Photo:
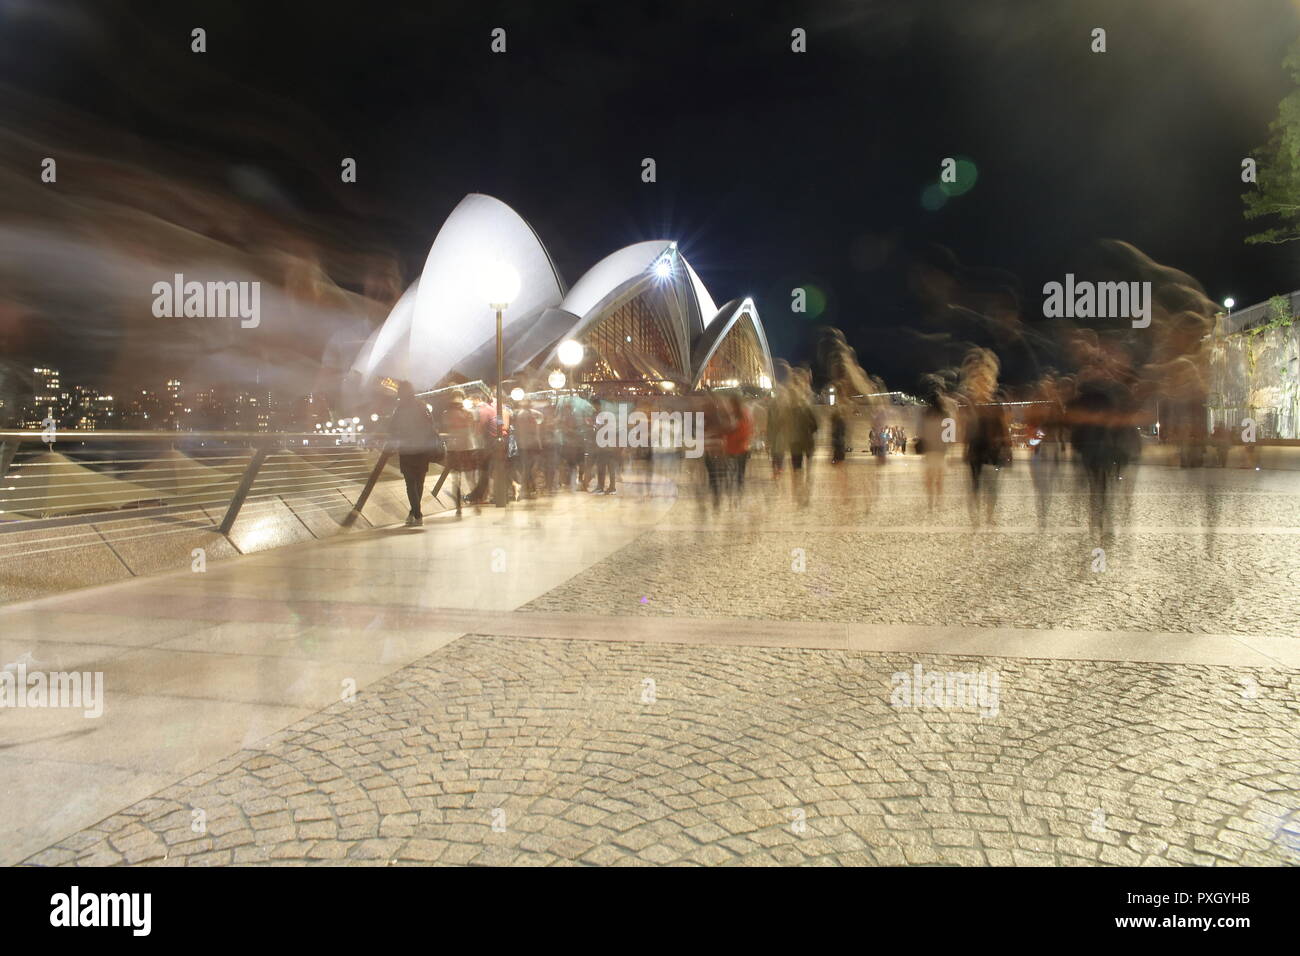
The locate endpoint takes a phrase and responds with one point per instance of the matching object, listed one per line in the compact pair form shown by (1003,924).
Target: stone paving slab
(1033,643)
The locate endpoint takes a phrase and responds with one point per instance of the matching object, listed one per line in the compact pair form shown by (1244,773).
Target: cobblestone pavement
(502,750)
(898,564)
(498,750)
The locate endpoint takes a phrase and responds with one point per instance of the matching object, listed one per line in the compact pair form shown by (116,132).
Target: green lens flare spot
(933,197)
(816,303)
(966,174)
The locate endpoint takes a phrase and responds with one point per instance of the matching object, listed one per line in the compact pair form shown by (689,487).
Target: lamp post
(501,285)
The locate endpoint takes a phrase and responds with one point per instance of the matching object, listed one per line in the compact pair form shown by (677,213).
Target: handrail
(263,474)
(61,436)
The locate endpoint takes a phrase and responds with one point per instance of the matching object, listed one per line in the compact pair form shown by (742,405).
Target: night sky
(775,169)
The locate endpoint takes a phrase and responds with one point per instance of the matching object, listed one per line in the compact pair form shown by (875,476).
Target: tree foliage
(1275,197)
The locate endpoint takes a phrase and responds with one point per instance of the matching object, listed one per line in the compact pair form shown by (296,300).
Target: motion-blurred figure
(528,449)
(1042,434)
(413,431)
(717,424)
(736,444)
(1101,415)
(461,431)
(778,434)
(938,417)
(801,434)
(987,444)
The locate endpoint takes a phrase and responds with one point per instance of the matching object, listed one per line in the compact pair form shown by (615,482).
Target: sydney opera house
(645,320)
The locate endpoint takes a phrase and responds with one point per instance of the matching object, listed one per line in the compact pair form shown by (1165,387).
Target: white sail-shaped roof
(607,277)
(707,309)
(733,312)
(445,316)
(443,323)
(629,271)
(386,351)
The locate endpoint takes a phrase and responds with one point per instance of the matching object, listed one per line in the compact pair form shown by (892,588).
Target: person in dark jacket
(412,431)
(801,425)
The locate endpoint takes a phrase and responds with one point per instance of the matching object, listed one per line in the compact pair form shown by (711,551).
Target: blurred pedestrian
(412,431)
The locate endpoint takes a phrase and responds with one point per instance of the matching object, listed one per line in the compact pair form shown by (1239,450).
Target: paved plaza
(642,680)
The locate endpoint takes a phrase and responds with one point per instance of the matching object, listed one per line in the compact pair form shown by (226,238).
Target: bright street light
(498,283)
(556,379)
(1228,303)
(570,352)
(516,394)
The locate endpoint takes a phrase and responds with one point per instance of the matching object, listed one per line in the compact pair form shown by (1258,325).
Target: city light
(556,379)
(570,352)
(498,283)
(516,394)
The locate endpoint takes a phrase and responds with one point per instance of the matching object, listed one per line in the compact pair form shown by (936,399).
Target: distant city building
(49,399)
(92,409)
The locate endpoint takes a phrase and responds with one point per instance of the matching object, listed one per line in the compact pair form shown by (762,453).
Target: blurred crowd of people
(1090,422)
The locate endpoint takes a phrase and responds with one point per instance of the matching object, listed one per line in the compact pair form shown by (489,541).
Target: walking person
(937,418)
(528,443)
(413,432)
(607,458)
(736,444)
(802,429)
(463,445)
(987,442)
(777,433)
(717,423)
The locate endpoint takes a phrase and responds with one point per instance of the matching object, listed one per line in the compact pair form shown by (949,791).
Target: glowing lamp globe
(498,283)
(516,394)
(556,379)
(570,352)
